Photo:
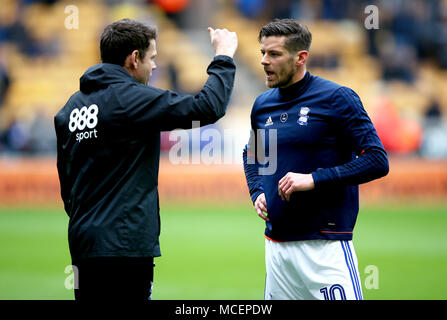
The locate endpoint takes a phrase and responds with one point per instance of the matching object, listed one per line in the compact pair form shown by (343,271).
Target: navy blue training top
(319,127)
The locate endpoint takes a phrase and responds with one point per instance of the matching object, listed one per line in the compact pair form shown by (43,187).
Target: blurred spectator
(42,137)
(36,137)
(335,9)
(434,144)
(281,9)
(5,81)
(16,33)
(251,8)
(327,60)
(16,136)
(398,135)
(399,62)
(416,29)
(305,10)
(173,77)
(174,9)
(171,6)
(442,35)
(47,2)
(433,111)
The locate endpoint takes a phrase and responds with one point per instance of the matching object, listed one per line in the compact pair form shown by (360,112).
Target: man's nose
(264,60)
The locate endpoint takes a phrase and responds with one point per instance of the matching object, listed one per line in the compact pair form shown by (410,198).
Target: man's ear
(301,57)
(132,60)
(136,55)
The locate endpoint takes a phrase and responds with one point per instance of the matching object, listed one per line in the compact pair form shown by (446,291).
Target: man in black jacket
(108,148)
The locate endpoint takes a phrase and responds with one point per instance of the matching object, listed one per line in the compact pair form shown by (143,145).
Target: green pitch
(214,252)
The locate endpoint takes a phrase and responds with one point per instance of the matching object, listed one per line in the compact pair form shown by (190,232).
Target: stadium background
(212,241)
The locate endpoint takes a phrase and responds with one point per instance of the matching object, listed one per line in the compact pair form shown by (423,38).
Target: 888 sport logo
(86,118)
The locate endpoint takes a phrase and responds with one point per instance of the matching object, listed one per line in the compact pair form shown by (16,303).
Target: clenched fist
(224,41)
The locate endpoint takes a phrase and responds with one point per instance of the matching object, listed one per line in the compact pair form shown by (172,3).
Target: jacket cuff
(323,177)
(223,57)
(255,194)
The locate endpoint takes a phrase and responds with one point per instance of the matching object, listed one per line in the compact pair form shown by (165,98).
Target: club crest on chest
(303,116)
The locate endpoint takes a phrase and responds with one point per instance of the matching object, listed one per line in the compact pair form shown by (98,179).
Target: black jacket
(108,149)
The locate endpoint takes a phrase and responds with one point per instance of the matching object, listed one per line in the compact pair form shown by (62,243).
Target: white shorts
(311,269)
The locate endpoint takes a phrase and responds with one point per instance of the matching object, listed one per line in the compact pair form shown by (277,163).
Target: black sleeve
(61,168)
(164,110)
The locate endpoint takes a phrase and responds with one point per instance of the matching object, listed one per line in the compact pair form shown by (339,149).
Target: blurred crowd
(410,33)
(20,135)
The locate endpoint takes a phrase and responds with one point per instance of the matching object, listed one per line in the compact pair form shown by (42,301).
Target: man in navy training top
(321,145)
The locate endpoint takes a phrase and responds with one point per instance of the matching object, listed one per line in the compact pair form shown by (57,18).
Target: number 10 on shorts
(335,291)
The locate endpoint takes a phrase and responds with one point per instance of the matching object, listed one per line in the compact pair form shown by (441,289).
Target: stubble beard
(287,79)
(281,82)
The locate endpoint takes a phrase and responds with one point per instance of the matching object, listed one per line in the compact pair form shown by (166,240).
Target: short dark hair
(120,38)
(298,36)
